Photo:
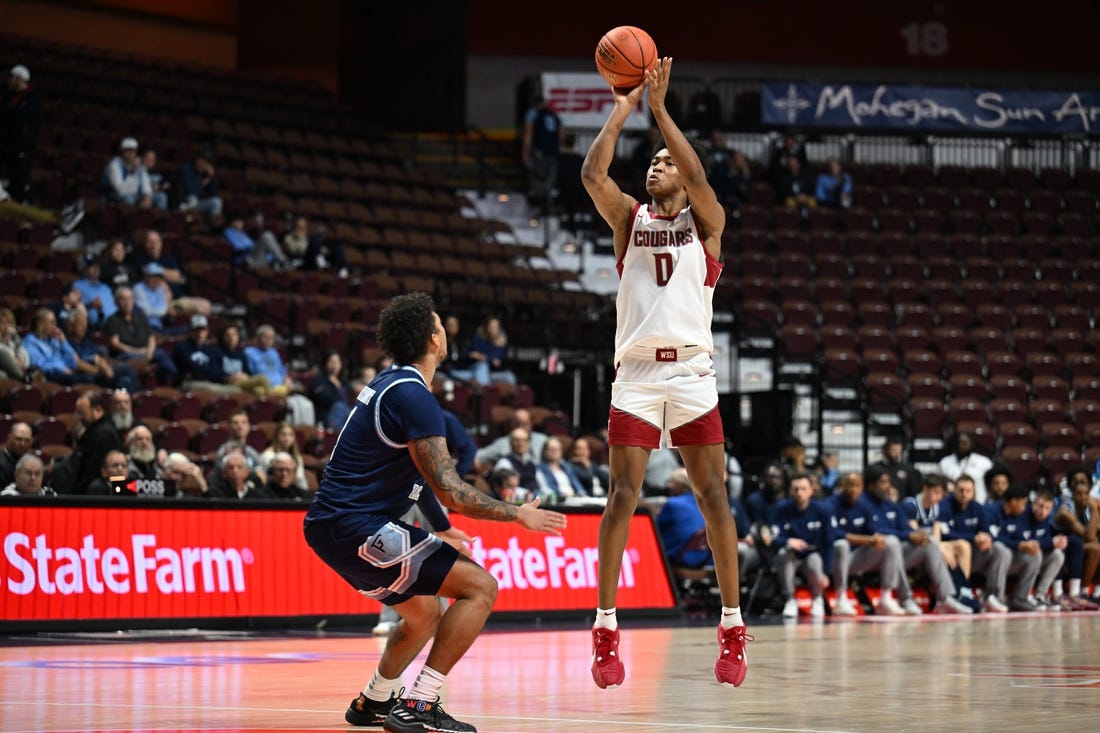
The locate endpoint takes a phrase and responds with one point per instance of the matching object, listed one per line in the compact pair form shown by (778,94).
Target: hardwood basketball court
(1026,672)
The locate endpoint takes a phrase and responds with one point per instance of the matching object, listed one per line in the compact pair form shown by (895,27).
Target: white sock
(606,619)
(1074,587)
(427,685)
(1056,590)
(379,688)
(731,617)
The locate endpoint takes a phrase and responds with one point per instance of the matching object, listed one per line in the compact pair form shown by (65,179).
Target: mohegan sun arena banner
(954,109)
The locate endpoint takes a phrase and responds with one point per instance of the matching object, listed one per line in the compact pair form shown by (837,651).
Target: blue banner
(978,110)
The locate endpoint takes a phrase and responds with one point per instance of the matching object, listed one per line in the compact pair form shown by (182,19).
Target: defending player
(392,444)
(668,260)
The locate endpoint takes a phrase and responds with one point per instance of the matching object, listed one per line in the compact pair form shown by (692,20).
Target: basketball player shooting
(667,255)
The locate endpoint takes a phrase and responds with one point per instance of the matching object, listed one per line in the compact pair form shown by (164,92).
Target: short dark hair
(1016,491)
(935,479)
(405,326)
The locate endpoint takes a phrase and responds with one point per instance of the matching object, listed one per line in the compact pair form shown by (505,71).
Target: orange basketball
(623,56)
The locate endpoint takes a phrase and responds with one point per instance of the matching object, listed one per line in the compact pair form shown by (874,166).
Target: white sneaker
(887,606)
(993,604)
(383,628)
(911,608)
(953,605)
(790,608)
(843,607)
(817,608)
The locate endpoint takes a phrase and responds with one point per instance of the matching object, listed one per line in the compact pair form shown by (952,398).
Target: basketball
(623,56)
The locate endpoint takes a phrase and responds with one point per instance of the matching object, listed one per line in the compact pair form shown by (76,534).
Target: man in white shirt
(965,460)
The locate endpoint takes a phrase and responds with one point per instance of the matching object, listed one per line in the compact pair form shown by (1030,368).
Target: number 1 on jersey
(663,265)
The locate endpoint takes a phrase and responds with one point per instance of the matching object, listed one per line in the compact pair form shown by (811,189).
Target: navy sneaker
(421,716)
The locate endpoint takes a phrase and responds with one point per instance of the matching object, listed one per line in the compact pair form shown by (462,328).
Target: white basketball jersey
(666,284)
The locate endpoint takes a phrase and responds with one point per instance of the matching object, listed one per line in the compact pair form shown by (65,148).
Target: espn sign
(584,100)
(178,560)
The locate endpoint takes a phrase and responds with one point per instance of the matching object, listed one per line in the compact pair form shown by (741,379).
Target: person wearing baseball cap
(125,179)
(96,295)
(22,112)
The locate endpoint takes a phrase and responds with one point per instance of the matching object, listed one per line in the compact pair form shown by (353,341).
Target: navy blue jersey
(848,518)
(1041,531)
(371,471)
(1010,531)
(887,518)
(963,524)
(813,525)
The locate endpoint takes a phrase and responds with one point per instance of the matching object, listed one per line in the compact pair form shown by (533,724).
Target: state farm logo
(553,565)
(142,566)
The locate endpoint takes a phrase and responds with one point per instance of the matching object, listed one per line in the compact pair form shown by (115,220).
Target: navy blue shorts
(382,558)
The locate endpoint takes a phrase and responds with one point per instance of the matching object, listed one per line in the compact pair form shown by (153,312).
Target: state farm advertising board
(132,562)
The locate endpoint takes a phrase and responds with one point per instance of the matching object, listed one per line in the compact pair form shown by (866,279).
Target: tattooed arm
(436,465)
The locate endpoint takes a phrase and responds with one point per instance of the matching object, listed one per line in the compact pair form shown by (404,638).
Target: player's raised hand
(540,520)
(657,80)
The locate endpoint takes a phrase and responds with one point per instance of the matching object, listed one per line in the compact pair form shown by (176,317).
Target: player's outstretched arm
(614,205)
(435,464)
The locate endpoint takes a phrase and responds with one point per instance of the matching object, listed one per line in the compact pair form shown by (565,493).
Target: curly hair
(405,326)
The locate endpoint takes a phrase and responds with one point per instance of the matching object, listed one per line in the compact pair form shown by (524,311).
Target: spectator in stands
(321,252)
(1053,547)
(968,520)
(519,460)
(504,486)
(234,363)
(121,411)
(285,442)
(828,472)
(265,359)
(199,185)
(115,465)
(267,252)
(98,439)
(542,138)
(20,441)
(51,354)
(232,479)
(457,363)
(789,147)
(997,480)
(20,115)
(488,353)
(145,460)
(834,186)
(296,242)
(28,478)
(521,418)
(153,296)
(124,180)
(1079,518)
(243,249)
(1010,525)
(962,459)
(96,294)
(187,475)
(152,250)
(571,193)
(802,535)
(555,475)
(662,462)
(199,361)
(159,185)
(730,177)
(14,359)
(114,270)
(92,357)
(761,504)
(679,522)
(239,426)
(795,189)
(594,477)
(70,300)
(281,483)
(330,393)
(904,476)
(131,339)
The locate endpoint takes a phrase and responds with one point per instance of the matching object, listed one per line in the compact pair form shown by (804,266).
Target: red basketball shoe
(733,661)
(607,669)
